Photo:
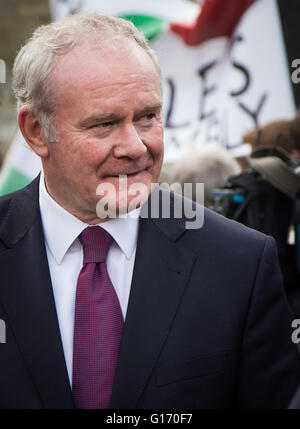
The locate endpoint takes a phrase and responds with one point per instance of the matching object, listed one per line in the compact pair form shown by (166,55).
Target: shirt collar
(61,228)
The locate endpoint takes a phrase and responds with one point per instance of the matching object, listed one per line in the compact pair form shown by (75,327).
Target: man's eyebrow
(98,118)
(107,117)
(155,107)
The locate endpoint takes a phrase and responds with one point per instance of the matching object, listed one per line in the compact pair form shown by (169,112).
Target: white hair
(36,59)
(211,164)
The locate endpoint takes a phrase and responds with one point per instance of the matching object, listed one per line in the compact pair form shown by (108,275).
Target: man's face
(108,119)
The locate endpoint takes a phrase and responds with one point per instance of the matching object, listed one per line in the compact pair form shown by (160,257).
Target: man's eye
(105,124)
(150,116)
(146,119)
(102,125)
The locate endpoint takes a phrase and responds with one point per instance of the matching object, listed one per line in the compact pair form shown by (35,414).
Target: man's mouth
(133,174)
(127,173)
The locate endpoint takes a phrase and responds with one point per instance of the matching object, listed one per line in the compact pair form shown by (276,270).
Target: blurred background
(18,18)
(231,93)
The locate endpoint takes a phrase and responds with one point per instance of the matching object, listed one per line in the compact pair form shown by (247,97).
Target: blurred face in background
(108,122)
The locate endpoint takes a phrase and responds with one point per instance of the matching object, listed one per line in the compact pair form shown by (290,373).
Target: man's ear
(32,132)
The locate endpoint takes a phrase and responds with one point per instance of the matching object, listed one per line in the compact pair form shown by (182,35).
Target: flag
(20,167)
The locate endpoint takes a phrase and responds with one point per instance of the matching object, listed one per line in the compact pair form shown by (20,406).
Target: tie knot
(96,243)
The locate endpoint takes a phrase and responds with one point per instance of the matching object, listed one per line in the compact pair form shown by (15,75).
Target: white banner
(220,89)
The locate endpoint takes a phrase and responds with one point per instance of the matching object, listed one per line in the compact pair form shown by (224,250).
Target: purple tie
(98,324)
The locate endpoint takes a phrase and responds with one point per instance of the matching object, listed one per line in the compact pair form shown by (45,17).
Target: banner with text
(224,68)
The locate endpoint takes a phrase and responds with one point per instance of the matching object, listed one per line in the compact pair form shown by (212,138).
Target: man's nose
(130,143)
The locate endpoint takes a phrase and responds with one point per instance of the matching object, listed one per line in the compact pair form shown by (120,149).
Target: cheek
(95,149)
(82,153)
(156,143)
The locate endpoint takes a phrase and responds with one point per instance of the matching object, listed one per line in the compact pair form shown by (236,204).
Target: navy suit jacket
(207,324)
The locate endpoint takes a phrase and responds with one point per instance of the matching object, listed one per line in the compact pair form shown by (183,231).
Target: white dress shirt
(65,258)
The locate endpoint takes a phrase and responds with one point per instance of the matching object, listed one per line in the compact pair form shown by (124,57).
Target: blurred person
(210,164)
(166,174)
(284,133)
(281,140)
(124,312)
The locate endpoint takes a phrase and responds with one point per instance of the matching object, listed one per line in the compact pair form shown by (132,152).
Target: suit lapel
(162,269)
(161,272)
(27,298)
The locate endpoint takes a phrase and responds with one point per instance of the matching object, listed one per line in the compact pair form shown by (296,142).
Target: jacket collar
(21,210)
(161,273)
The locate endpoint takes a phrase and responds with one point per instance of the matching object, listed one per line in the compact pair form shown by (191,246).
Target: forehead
(111,70)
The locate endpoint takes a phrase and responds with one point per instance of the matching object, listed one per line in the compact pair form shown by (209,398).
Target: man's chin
(121,195)
(109,208)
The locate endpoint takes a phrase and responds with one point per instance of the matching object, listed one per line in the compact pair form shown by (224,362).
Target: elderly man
(126,311)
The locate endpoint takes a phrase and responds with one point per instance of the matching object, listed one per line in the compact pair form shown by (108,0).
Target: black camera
(266,197)
(226,201)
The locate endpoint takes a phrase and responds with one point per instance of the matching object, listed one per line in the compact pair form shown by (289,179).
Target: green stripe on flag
(149,25)
(13,181)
